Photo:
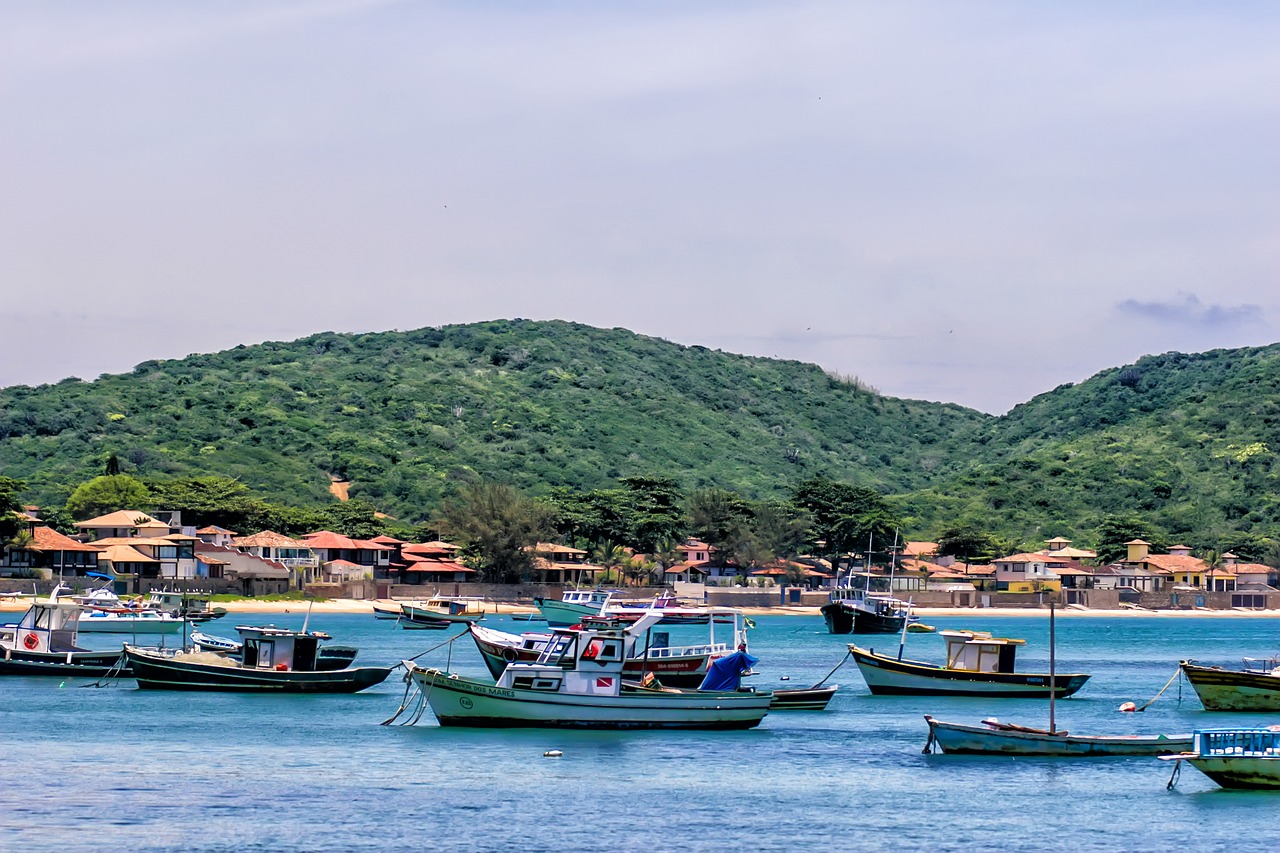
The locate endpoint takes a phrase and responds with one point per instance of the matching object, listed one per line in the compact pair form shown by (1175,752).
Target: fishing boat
(996,738)
(674,665)
(573,605)
(386,613)
(1250,689)
(44,642)
(125,620)
(1247,758)
(977,664)
(578,682)
(329,657)
(803,698)
(441,611)
(673,612)
(193,606)
(274,660)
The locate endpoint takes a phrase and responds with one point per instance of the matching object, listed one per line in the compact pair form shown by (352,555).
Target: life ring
(30,641)
(509,655)
(589,653)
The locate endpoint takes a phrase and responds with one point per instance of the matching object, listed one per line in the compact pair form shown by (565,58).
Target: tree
(1115,530)
(966,543)
(844,516)
(204,500)
(105,494)
(720,519)
(10,507)
(498,525)
(113,466)
(355,518)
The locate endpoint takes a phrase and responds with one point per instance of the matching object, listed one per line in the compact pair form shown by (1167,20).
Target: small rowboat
(996,738)
(803,698)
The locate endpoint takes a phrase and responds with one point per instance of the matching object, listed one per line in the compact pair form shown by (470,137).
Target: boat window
(265,649)
(601,649)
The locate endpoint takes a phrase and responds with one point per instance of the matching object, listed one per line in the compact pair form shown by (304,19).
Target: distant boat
(441,611)
(572,606)
(126,621)
(803,698)
(44,642)
(996,738)
(275,660)
(1246,758)
(388,613)
(977,664)
(577,682)
(1234,689)
(328,658)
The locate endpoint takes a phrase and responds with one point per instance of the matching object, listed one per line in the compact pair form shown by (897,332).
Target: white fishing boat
(128,621)
(578,682)
(1246,758)
(44,642)
(574,604)
(675,665)
(441,611)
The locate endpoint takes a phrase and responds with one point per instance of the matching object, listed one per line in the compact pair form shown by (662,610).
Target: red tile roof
(48,539)
(331,541)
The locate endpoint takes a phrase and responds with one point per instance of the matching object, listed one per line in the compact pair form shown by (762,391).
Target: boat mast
(1052,662)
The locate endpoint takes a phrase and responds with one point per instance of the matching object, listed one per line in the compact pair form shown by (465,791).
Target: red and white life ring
(30,641)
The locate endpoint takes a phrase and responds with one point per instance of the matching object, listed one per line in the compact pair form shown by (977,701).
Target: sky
(963,202)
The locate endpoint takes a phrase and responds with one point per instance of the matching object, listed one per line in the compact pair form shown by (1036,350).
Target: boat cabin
(280,649)
(586,661)
(456,605)
(978,651)
(590,597)
(47,626)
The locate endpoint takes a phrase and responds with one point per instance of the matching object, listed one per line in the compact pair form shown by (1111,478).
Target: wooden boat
(275,660)
(195,607)
(1246,758)
(855,608)
(996,738)
(574,604)
(387,613)
(328,657)
(44,642)
(803,698)
(442,611)
(1233,689)
(577,682)
(978,664)
(675,666)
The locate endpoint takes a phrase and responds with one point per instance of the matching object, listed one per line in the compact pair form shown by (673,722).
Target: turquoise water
(91,769)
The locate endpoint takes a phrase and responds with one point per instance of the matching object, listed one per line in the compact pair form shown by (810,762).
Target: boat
(977,664)
(674,666)
(994,738)
(578,682)
(803,698)
(125,620)
(44,642)
(526,617)
(573,605)
(387,613)
(329,657)
(1220,689)
(1247,758)
(441,611)
(192,606)
(858,608)
(275,660)
(673,612)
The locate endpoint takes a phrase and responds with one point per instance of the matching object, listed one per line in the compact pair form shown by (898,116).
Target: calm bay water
(88,769)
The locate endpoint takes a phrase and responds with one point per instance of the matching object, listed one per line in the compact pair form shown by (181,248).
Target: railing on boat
(1223,742)
(685,651)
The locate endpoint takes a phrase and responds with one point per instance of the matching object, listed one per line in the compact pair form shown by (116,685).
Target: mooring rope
(843,661)
(115,672)
(410,684)
(1177,673)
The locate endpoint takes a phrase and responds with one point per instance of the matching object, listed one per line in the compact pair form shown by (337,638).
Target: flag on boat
(604,682)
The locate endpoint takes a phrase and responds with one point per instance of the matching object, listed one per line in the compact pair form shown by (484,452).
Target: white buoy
(785,678)
(552,753)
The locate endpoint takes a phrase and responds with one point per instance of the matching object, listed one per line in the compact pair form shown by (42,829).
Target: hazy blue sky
(969,202)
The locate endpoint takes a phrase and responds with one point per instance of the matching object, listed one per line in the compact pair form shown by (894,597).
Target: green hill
(406,415)
(1187,442)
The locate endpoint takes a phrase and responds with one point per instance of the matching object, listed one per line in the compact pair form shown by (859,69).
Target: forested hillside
(407,416)
(1186,444)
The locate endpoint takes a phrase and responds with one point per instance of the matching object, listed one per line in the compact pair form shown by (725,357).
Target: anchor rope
(843,661)
(1167,684)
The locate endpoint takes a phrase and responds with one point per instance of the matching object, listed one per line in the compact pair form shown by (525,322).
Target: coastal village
(138,552)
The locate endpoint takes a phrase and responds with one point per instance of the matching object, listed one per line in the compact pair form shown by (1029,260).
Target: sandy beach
(347,605)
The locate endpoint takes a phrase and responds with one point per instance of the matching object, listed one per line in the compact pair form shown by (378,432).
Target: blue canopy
(726,673)
(99,575)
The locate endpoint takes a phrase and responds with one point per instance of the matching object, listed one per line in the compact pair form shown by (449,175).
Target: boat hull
(156,672)
(1246,772)
(891,677)
(561,614)
(803,699)
(1233,690)
(672,671)
(127,624)
(843,619)
(459,701)
(84,664)
(954,738)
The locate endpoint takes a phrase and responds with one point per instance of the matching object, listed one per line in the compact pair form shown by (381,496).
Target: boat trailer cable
(843,661)
(1167,684)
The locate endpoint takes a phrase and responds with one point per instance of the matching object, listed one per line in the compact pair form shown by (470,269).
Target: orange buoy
(1128,706)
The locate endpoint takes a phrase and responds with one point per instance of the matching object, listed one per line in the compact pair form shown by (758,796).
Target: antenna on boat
(1052,663)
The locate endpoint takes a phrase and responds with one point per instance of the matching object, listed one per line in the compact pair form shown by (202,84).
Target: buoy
(552,753)
(1128,706)
(785,678)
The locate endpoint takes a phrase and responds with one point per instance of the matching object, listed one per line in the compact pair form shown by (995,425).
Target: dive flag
(604,682)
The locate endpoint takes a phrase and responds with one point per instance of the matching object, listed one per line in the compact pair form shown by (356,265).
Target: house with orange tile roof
(48,554)
(215,535)
(123,523)
(171,556)
(331,547)
(554,563)
(1026,573)
(1249,575)
(294,554)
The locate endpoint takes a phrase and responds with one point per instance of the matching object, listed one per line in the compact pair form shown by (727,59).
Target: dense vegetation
(1183,445)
